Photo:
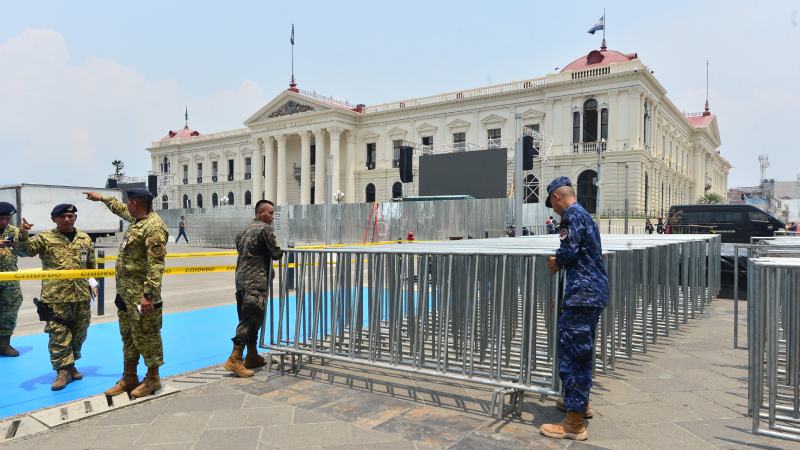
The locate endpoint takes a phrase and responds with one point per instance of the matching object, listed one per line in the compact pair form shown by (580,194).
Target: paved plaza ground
(689,391)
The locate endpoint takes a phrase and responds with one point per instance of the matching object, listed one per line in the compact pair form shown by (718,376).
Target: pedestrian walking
(65,303)
(140,268)
(182,230)
(585,296)
(257,249)
(10,294)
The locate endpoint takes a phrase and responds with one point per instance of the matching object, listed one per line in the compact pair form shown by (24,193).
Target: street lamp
(600,149)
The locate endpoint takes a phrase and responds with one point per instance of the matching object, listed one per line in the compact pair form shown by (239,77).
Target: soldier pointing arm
(140,267)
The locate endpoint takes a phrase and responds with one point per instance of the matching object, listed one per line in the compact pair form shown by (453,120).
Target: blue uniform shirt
(581,255)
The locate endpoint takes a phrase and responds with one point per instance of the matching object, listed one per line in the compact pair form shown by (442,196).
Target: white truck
(34,202)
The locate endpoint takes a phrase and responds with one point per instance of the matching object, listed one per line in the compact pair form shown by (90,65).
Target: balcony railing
(185,181)
(586,147)
(230,177)
(214,178)
(247,176)
(370,165)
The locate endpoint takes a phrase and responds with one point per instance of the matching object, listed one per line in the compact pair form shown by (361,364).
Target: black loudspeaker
(406,163)
(152,184)
(529,151)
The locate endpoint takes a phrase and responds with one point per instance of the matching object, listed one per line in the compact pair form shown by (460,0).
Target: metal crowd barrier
(774,346)
(484,310)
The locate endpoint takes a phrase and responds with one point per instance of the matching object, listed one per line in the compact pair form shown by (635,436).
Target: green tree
(709,198)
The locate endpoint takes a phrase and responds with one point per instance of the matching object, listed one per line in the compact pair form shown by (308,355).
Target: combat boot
(235,365)
(5,347)
(150,384)
(572,427)
(128,382)
(587,415)
(254,360)
(63,378)
(73,372)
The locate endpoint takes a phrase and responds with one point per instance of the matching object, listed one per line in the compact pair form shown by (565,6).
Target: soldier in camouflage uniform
(140,267)
(67,300)
(10,295)
(585,296)
(257,249)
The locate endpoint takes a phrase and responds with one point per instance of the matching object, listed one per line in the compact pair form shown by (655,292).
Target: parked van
(736,223)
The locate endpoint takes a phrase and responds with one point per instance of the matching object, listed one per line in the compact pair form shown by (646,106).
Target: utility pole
(626,198)
(600,149)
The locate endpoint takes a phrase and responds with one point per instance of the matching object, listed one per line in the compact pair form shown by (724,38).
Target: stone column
(305,167)
(319,170)
(281,184)
(269,168)
(351,167)
(258,180)
(336,151)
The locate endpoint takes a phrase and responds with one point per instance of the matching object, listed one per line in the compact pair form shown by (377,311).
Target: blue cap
(62,209)
(7,209)
(555,184)
(140,193)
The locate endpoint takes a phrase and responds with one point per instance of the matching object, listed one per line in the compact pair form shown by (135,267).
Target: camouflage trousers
(576,336)
(141,335)
(250,309)
(10,301)
(67,332)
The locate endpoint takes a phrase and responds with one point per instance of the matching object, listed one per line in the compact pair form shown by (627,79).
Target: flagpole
(603,45)
(292,84)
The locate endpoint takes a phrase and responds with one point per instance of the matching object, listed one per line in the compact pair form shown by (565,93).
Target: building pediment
(229,153)
(397,132)
(288,103)
(427,129)
(532,114)
(369,136)
(493,119)
(458,123)
(213,156)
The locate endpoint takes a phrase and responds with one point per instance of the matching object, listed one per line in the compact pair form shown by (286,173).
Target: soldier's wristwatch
(148,296)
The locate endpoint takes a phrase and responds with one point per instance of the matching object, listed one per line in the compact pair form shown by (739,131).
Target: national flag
(291,39)
(600,25)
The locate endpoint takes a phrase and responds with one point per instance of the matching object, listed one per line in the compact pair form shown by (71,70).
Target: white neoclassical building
(604,100)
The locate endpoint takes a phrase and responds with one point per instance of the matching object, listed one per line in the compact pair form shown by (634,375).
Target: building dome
(181,134)
(599,58)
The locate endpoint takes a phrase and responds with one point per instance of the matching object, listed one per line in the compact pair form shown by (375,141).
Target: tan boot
(587,415)
(63,378)
(572,427)
(128,382)
(235,365)
(5,347)
(73,372)
(150,384)
(254,360)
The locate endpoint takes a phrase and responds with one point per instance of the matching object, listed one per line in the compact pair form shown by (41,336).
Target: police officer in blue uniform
(585,296)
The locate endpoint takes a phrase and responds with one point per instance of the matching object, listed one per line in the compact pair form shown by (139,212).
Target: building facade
(605,110)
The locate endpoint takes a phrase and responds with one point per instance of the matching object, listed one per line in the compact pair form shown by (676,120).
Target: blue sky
(83,83)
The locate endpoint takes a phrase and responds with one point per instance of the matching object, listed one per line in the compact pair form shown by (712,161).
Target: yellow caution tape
(56,274)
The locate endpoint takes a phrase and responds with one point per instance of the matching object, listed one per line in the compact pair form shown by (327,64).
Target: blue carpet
(192,340)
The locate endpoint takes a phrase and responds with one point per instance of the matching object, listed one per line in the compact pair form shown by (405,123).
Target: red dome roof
(184,133)
(599,58)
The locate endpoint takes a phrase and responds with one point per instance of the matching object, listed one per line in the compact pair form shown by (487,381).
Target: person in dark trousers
(257,247)
(551,226)
(648,226)
(182,230)
(585,295)
(660,226)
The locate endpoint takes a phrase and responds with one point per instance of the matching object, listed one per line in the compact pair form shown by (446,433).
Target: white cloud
(63,123)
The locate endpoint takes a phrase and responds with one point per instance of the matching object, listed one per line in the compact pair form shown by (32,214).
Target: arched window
(230,198)
(185,201)
(248,198)
(587,190)
(397,190)
(199,200)
(370,191)
(531,189)
(646,194)
(214,200)
(164,202)
(165,165)
(590,120)
(647,130)
(576,127)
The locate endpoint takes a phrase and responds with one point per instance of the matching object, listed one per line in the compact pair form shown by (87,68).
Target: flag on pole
(186,113)
(291,39)
(600,25)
